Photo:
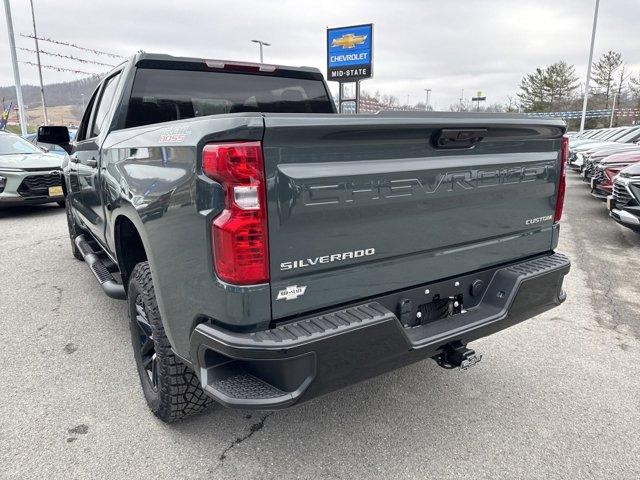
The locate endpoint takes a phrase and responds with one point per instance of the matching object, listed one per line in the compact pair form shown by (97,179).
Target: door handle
(459,137)
(91,162)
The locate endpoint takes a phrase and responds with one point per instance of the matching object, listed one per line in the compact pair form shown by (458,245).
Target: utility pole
(586,87)
(16,73)
(35,37)
(262,44)
(426,106)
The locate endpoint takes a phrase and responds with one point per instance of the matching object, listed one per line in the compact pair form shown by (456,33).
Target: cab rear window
(166,95)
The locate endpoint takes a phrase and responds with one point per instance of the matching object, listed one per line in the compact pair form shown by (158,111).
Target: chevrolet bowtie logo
(348,40)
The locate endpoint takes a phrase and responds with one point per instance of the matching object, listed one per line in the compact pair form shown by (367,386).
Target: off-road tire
(74,231)
(177,393)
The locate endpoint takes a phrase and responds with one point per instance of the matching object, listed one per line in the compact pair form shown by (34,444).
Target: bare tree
(512,104)
(634,88)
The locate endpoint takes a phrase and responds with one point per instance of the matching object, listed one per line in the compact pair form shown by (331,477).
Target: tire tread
(179,388)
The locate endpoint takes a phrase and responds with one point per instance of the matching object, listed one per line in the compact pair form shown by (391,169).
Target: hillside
(56,94)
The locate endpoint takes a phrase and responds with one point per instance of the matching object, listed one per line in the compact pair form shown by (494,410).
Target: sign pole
(357,96)
(478,98)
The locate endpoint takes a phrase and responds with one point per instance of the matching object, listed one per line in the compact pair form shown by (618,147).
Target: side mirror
(55,135)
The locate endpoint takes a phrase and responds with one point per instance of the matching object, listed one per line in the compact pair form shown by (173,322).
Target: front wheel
(172,390)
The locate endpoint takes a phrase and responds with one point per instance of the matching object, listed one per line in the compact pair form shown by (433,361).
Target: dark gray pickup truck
(272,250)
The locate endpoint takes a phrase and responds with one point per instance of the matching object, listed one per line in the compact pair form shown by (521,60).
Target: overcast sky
(445,45)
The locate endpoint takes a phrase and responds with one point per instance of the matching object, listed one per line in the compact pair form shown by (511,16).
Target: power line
(71,57)
(63,69)
(67,44)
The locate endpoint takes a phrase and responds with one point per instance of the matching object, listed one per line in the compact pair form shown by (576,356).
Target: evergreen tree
(561,82)
(548,88)
(604,73)
(533,93)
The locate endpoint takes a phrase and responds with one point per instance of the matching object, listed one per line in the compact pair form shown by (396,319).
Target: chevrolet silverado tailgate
(367,204)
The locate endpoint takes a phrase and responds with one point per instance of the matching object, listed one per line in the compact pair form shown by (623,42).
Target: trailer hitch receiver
(457,355)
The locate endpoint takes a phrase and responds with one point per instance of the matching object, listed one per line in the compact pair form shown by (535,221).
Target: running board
(112,288)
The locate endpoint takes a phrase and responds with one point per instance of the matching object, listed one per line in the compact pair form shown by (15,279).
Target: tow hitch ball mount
(457,355)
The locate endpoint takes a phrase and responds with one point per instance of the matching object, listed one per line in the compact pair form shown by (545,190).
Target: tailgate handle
(459,137)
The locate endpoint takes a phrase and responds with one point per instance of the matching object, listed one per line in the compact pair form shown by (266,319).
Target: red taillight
(239,233)
(562,182)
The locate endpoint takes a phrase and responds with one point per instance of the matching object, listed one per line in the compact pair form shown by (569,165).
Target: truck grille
(599,176)
(38,185)
(589,167)
(621,194)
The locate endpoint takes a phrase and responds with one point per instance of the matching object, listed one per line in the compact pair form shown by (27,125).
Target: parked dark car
(624,204)
(607,169)
(578,146)
(626,143)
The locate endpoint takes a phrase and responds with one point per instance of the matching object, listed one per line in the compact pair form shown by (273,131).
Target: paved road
(555,397)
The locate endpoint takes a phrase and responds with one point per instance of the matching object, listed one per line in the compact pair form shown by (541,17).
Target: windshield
(619,134)
(598,134)
(166,95)
(608,134)
(631,136)
(11,144)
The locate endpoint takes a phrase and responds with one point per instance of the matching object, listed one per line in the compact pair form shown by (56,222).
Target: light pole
(262,44)
(613,109)
(16,72)
(426,106)
(586,87)
(35,37)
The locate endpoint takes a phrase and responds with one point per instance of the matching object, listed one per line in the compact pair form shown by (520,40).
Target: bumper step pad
(297,361)
(317,327)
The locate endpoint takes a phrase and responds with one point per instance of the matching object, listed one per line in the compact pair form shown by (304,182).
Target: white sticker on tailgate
(291,293)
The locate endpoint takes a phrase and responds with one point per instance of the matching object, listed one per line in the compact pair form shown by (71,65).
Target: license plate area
(55,191)
(611,203)
(440,300)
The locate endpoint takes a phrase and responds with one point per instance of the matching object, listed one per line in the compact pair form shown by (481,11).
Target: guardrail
(622,112)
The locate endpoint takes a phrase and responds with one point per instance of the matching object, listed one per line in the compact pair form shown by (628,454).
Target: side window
(100,118)
(83,129)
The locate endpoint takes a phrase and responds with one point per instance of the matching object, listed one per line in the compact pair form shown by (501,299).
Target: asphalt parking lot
(554,397)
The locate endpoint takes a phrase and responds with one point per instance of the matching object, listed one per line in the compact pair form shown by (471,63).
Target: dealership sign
(350,53)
